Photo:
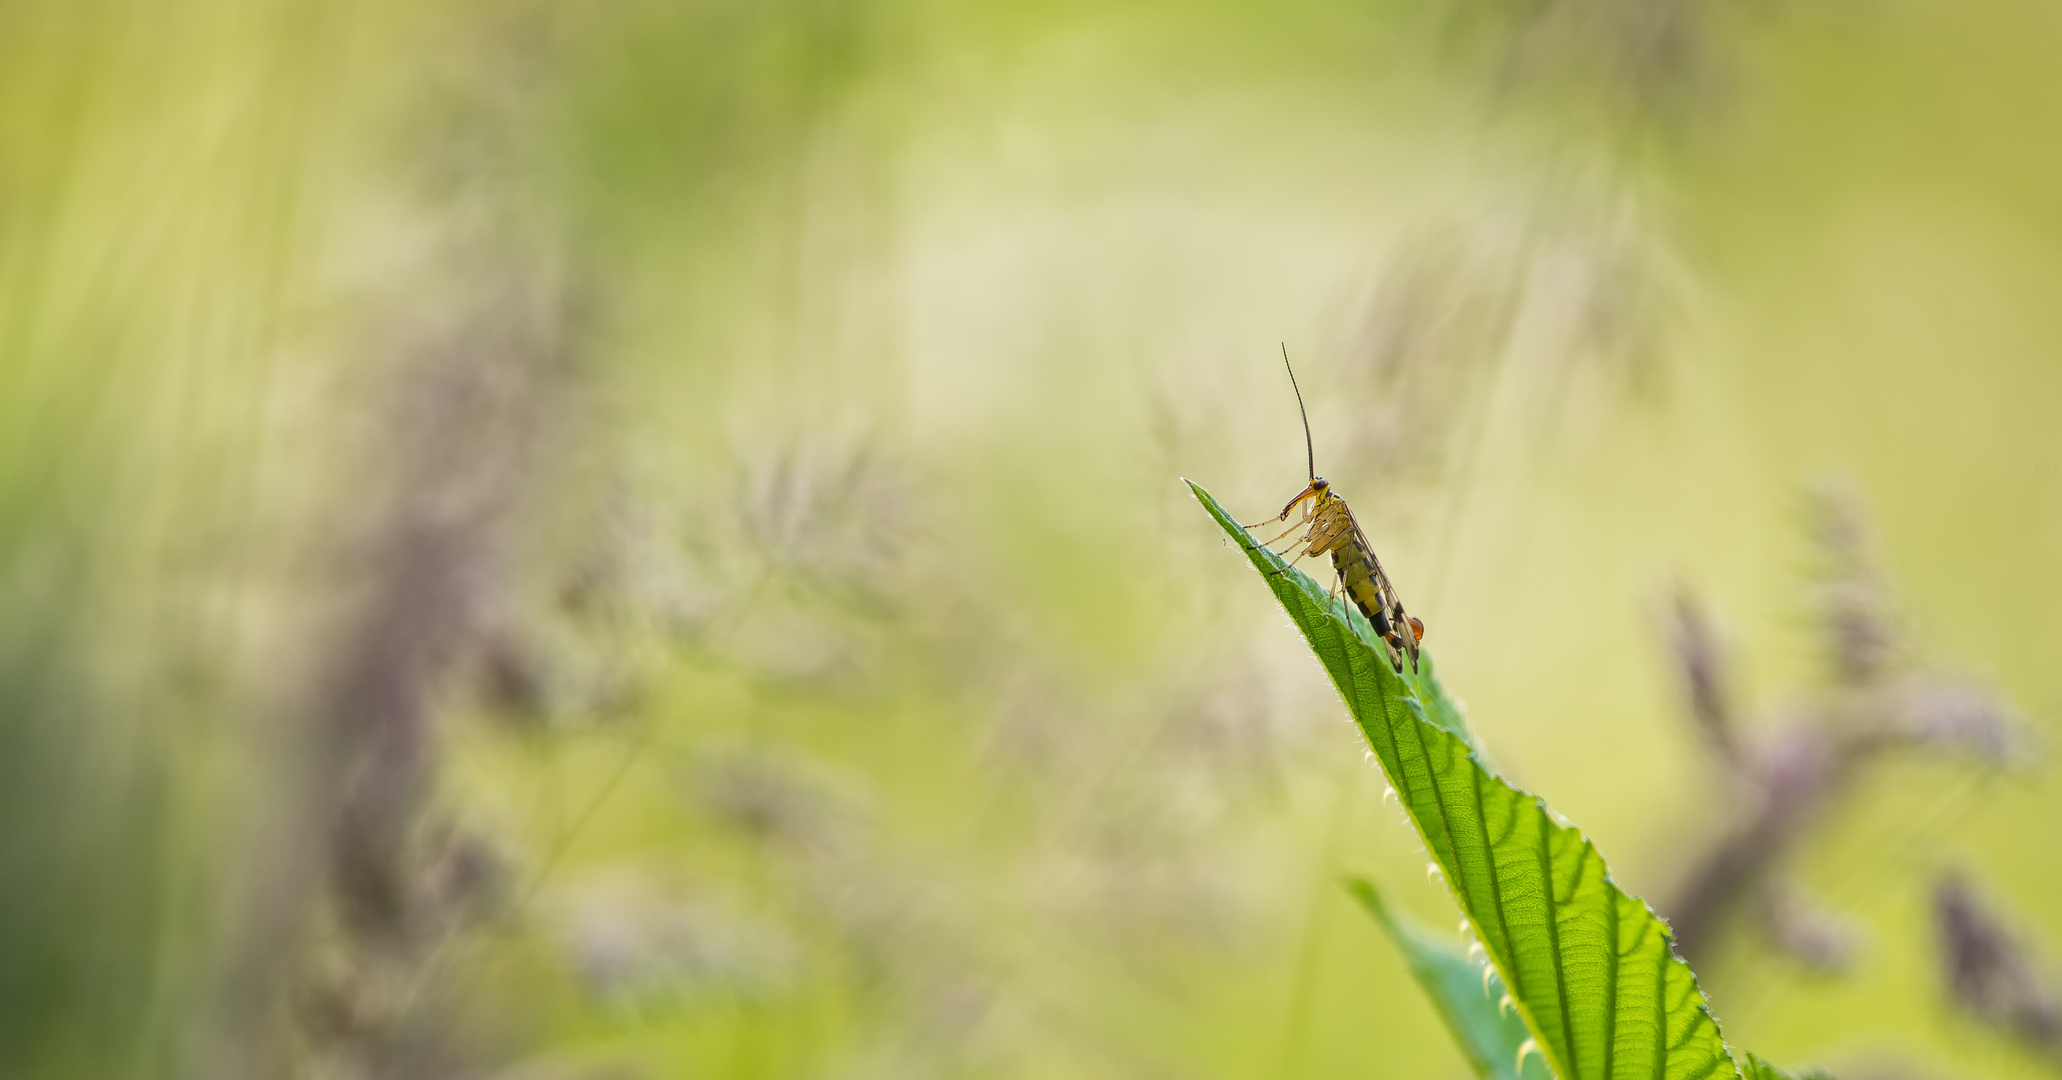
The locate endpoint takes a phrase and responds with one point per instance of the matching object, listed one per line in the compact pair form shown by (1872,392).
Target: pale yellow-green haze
(642,538)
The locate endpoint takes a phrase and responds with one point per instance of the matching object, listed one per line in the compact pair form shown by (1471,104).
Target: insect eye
(1319,484)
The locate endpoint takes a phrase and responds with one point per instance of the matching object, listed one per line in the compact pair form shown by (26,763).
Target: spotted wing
(1403,627)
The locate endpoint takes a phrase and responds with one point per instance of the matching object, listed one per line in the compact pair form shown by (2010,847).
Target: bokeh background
(642,538)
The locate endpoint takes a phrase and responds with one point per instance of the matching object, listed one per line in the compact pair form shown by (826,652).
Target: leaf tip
(1363,890)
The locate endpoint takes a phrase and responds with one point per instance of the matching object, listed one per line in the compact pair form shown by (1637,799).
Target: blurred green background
(642,539)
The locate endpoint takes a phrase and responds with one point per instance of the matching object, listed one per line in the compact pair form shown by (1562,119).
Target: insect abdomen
(1356,569)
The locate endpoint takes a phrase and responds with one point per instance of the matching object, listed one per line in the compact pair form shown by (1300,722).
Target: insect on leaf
(1468,999)
(1589,968)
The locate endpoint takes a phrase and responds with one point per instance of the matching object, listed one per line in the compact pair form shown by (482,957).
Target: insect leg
(1270,544)
(1278,539)
(1332,598)
(1304,554)
(1292,562)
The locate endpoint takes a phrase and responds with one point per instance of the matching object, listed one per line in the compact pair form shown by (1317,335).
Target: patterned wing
(1404,630)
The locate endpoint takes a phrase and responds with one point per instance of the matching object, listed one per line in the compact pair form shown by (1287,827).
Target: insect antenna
(1308,449)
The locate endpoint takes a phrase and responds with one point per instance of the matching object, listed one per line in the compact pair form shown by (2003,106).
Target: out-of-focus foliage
(1782,781)
(1991,974)
(1467,992)
(639,538)
(1753,1068)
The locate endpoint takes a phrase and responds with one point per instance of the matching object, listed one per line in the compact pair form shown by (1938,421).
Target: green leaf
(1592,970)
(1468,995)
(1757,1069)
